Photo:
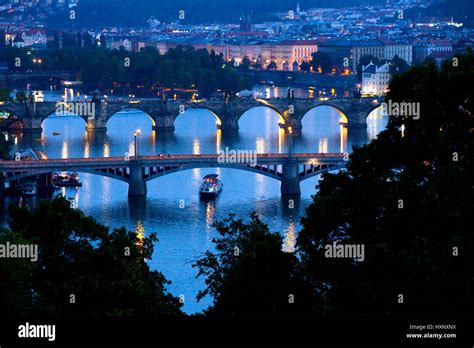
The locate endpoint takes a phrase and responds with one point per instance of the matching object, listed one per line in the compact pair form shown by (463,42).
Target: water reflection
(137,208)
(290,206)
(376,121)
(289,241)
(196,147)
(210,213)
(185,232)
(64,150)
(343,131)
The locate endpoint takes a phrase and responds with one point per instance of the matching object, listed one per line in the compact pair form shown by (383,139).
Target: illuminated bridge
(163,113)
(289,169)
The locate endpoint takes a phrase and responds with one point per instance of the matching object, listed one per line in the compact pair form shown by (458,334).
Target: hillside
(135,13)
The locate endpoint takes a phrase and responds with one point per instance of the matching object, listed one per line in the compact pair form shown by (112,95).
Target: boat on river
(29,189)
(211,186)
(66,179)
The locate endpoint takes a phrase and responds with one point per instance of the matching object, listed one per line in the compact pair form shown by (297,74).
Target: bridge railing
(11,164)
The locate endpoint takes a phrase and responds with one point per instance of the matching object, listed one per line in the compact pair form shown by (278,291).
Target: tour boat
(66,180)
(211,186)
(56,133)
(29,189)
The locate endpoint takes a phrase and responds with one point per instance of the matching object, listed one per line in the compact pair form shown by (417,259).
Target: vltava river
(185,231)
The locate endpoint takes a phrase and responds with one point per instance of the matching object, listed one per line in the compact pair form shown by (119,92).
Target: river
(172,207)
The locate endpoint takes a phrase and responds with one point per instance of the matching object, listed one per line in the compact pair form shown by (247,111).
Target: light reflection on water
(185,230)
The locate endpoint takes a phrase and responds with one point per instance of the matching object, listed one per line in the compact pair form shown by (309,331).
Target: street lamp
(37,61)
(136,138)
(290,133)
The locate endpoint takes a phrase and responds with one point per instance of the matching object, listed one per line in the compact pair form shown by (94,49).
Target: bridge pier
(357,115)
(290,183)
(32,124)
(33,131)
(93,126)
(137,182)
(97,121)
(164,123)
(356,120)
(294,123)
(229,123)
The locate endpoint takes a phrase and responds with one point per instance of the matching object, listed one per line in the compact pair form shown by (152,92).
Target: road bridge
(289,169)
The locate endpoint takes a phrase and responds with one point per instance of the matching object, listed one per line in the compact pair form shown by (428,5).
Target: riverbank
(300,79)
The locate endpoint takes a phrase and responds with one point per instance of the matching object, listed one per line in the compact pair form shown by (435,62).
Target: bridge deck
(270,158)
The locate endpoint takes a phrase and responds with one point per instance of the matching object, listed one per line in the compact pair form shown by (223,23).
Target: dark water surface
(186,232)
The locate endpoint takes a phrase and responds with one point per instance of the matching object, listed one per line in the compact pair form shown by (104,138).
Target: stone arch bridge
(59,75)
(164,113)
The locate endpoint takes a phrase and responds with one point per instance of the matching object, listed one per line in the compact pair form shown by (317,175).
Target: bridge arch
(54,114)
(28,174)
(134,109)
(262,170)
(342,112)
(281,115)
(373,108)
(195,106)
(20,80)
(324,168)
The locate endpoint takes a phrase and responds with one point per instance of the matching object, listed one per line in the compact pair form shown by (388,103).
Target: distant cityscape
(288,44)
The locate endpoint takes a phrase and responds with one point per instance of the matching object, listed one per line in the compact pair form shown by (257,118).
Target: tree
(20,96)
(272,65)
(103,41)
(321,60)
(5,146)
(16,279)
(246,63)
(398,65)
(82,269)
(407,198)
(208,84)
(123,71)
(249,274)
(257,63)
(3,44)
(5,94)
(305,66)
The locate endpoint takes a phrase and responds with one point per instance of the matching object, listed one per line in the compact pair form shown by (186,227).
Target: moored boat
(29,189)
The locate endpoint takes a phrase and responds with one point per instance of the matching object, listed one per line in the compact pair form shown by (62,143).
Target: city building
(441,56)
(34,37)
(18,42)
(245,24)
(375,80)
(401,49)
(26,38)
(338,50)
(125,43)
(423,49)
(359,49)
(284,54)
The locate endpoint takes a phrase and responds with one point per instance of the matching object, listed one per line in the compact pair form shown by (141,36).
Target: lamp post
(136,138)
(37,61)
(290,133)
